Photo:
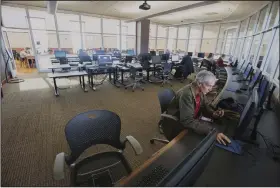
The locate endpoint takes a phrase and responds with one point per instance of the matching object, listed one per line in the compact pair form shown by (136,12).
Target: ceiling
(219,10)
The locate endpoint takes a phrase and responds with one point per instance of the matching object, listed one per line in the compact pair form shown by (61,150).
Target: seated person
(220,61)
(24,53)
(185,69)
(189,104)
(210,58)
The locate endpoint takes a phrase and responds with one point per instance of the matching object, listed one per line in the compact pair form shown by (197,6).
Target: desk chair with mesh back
(169,125)
(206,63)
(166,73)
(137,76)
(104,168)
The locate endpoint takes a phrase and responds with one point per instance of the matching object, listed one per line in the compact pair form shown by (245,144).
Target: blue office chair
(137,76)
(166,73)
(102,169)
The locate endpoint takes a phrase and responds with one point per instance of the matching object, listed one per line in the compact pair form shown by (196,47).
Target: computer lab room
(140,93)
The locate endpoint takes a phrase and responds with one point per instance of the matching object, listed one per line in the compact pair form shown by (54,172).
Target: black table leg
(53,71)
(154,69)
(55,87)
(122,76)
(84,87)
(80,80)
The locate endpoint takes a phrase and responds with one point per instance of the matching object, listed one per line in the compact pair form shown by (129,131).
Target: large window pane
(41,20)
(252,23)
(68,22)
(172,33)
(208,45)
(183,32)
(263,49)
(91,24)
(18,39)
(14,17)
(128,42)
(111,26)
(162,31)
(238,48)
(111,41)
(194,46)
(243,28)
(128,28)
(229,41)
(273,13)
(211,31)
(92,41)
(219,46)
(70,42)
(161,44)
(273,57)
(171,45)
(262,19)
(153,30)
(196,31)
(181,45)
(226,27)
(245,49)
(152,44)
(254,48)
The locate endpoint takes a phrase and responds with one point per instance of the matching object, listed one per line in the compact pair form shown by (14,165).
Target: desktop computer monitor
(175,58)
(156,59)
(128,59)
(190,53)
(130,52)
(247,71)
(153,53)
(201,55)
(255,78)
(100,52)
(247,115)
(145,57)
(263,90)
(104,60)
(192,166)
(165,57)
(160,52)
(59,54)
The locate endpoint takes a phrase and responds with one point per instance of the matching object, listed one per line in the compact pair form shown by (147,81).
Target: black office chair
(166,73)
(169,125)
(102,169)
(206,63)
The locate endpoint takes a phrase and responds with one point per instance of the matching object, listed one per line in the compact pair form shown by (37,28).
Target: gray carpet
(33,122)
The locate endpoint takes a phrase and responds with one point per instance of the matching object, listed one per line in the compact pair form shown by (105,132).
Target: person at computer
(24,53)
(189,104)
(220,61)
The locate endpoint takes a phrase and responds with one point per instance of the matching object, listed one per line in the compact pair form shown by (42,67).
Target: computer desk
(79,74)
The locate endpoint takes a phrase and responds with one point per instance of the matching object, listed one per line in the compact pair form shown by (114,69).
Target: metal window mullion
(201,36)
(120,33)
(267,16)
(81,33)
(256,25)
(56,31)
(156,37)
(236,36)
(167,37)
(101,27)
(258,49)
(217,40)
(187,42)
(177,38)
(32,38)
(269,48)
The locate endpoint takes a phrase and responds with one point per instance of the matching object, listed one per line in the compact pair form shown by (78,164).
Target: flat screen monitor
(201,55)
(59,54)
(190,53)
(153,53)
(190,168)
(160,52)
(105,60)
(255,78)
(175,58)
(263,90)
(131,52)
(247,114)
(100,52)
(165,57)
(156,59)
(145,57)
(128,59)
(247,71)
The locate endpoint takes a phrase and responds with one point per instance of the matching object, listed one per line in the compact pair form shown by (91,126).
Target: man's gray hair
(205,77)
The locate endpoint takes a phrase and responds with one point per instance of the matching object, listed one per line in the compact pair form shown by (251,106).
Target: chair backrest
(165,97)
(92,128)
(263,90)
(104,60)
(167,67)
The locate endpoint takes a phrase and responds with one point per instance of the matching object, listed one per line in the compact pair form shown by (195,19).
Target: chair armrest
(169,116)
(58,168)
(135,145)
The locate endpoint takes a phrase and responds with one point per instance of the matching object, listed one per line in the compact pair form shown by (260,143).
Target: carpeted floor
(33,122)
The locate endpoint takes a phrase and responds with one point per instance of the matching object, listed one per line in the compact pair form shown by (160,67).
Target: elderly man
(189,104)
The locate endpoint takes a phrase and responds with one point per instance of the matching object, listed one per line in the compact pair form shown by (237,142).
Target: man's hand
(222,139)
(218,113)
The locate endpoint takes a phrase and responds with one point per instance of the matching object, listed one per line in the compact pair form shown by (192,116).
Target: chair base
(166,81)
(152,141)
(135,85)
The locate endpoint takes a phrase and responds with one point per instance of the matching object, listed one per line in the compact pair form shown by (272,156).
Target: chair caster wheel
(132,90)
(125,88)
(152,141)
(142,89)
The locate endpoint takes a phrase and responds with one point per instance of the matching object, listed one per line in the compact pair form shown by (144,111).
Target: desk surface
(67,74)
